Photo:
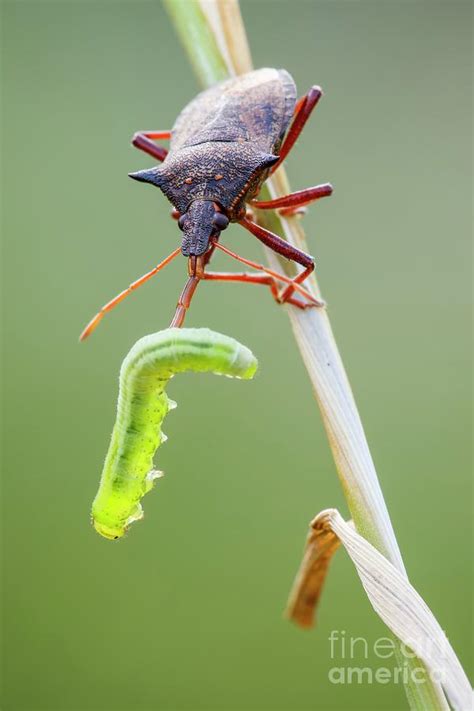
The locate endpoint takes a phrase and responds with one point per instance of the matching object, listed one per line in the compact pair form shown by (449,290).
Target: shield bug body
(224,145)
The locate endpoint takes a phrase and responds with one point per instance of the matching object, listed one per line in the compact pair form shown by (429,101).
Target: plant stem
(311,328)
(199,40)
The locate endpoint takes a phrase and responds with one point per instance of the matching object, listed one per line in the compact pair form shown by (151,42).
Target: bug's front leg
(196,267)
(184,301)
(293,284)
(287,250)
(257,278)
(279,245)
(144,141)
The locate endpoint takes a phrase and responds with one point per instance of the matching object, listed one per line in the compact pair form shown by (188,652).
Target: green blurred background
(186,612)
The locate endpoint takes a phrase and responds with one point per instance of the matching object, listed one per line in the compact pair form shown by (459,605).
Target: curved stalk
(229,54)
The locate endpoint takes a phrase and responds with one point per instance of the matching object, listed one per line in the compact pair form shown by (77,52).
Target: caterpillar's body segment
(142,405)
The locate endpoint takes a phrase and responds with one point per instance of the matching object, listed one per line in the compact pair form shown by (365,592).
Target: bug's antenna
(92,325)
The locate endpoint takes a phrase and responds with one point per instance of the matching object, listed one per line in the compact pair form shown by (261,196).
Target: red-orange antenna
(92,325)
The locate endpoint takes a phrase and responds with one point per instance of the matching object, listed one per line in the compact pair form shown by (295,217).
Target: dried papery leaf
(391,595)
(321,545)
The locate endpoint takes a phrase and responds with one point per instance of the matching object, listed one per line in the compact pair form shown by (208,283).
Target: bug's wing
(256,107)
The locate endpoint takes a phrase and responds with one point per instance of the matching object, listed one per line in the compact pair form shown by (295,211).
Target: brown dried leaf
(391,595)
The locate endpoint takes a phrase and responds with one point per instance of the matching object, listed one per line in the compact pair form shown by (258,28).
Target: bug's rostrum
(197,226)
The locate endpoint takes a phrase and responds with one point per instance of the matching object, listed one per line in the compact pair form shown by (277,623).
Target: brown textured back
(256,107)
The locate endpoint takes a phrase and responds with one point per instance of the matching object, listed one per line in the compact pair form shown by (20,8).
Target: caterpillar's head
(199,223)
(114,526)
(112,533)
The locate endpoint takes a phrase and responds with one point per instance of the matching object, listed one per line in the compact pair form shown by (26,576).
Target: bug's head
(202,221)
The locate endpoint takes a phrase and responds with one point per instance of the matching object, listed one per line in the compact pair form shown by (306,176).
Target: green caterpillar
(141,408)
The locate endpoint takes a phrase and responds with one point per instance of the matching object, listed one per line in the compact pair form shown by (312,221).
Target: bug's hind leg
(289,204)
(144,141)
(303,111)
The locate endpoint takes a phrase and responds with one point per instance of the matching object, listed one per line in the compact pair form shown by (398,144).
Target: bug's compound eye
(220,221)
(181,222)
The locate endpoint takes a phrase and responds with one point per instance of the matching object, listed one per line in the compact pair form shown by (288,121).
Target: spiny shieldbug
(224,145)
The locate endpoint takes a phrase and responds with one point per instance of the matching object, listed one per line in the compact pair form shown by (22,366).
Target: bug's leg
(92,325)
(282,247)
(292,202)
(292,211)
(278,244)
(264,279)
(293,283)
(196,266)
(302,113)
(184,301)
(144,141)
(302,276)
